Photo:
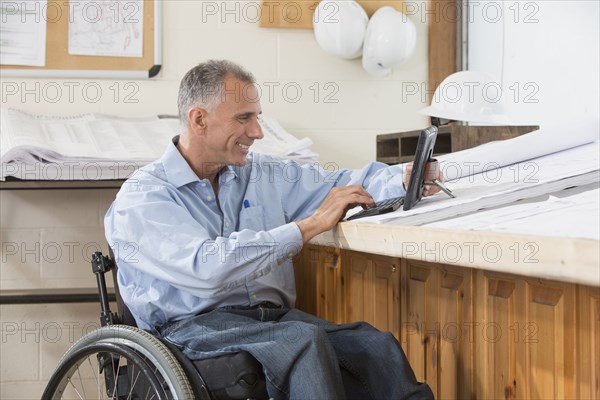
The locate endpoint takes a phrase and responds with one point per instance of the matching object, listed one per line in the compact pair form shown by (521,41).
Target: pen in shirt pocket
(246,204)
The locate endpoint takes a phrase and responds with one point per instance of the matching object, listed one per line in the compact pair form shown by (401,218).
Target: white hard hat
(340,27)
(468,96)
(390,40)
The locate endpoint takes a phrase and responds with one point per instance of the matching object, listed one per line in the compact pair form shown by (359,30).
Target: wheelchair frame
(133,362)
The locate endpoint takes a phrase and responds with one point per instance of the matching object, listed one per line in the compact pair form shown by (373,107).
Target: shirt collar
(179,172)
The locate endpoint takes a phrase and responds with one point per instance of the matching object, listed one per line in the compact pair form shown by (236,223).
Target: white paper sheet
(85,147)
(277,141)
(97,146)
(572,167)
(106,28)
(280,143)
(22,33)
(570,213)
(535,144)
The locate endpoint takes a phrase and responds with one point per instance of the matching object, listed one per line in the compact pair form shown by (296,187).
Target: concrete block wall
(47,238)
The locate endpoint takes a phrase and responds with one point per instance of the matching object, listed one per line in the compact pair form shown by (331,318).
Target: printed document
(103,147)
(22,33)
(106,28)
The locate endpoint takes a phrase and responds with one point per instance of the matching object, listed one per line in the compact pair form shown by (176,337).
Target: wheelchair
(120,361)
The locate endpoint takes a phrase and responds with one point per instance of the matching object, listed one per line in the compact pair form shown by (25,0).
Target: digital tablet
(424,153)
(415,186)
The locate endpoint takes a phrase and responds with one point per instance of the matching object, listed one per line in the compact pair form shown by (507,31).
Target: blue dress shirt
(180,252)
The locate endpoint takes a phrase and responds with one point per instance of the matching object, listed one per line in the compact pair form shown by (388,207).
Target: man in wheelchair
(214,227)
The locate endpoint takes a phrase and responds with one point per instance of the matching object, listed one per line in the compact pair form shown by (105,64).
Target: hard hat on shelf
(340,27)
(390,40)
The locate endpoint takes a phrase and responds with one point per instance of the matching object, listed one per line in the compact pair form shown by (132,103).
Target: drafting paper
(106,28)
(22,33)
(98,146)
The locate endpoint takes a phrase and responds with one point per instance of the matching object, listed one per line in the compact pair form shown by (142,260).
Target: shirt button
(209,198)
(203,184)
(226,224)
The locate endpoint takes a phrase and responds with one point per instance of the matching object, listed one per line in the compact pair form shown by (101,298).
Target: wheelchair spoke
(74,388)
(98,384)
(116,377)
(123,363)
(147,393)
(82,384)
(133,384)
(96,375)
(153,394)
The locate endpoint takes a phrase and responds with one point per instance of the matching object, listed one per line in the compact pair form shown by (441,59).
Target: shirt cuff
(394,187)
(289,240)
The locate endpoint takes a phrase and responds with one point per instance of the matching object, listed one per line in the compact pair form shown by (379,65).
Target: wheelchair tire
(140,359)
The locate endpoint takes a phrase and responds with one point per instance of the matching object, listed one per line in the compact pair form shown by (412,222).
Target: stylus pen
(443,188)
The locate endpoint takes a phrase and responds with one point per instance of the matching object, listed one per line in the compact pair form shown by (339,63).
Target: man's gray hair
(204,85)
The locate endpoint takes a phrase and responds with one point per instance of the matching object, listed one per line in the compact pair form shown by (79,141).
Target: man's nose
(255,130)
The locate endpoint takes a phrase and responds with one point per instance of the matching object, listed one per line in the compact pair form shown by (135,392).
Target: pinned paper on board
(22,34)
(113,28)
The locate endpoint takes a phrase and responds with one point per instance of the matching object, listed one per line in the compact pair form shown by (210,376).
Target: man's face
(232,126)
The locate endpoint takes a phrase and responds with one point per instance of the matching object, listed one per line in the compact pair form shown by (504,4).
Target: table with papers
(493,294)
(484,203)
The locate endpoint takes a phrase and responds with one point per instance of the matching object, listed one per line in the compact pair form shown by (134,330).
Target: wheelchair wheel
(118,362)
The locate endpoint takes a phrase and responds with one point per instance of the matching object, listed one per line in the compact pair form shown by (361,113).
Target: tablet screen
(423,154)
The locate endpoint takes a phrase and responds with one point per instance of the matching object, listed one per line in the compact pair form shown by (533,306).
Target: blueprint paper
(546,140)
(99,146)
(573,212)
(22,33)
(547,174)
(111,28)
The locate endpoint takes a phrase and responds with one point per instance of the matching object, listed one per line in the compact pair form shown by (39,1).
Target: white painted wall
(545,53)
(37,224)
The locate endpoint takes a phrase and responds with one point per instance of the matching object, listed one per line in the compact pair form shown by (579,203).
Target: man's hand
(432,171)
(333,209)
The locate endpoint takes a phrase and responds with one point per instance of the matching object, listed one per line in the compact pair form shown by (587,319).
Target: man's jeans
(303,356)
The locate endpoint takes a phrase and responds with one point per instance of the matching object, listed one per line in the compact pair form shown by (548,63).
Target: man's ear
(197,119)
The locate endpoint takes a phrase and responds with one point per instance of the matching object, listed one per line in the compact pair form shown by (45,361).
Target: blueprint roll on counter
(544,141)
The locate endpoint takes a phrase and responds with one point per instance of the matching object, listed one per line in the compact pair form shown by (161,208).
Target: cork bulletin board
(59,63)
(299,13)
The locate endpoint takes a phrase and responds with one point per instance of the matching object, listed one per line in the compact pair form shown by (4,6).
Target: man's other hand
(432,171)
(333,209)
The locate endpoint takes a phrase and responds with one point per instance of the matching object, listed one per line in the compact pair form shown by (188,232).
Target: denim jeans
(303,357)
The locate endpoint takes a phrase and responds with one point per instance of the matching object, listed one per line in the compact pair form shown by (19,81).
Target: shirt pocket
(253,218)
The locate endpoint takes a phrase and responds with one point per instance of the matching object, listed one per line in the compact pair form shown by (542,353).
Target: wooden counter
(479,314)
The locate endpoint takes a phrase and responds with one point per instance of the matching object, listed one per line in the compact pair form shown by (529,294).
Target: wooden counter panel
(468,333)
(588,343)
(437,331)
(372,287)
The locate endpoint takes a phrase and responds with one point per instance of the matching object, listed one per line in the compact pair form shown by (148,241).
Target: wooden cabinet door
(319,283)
(306,266)
(372,290)
(525,338)
(588,342)
(330,286)
(499,320)
(437,326)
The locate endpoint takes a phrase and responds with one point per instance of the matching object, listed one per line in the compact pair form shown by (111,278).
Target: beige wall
(340,108)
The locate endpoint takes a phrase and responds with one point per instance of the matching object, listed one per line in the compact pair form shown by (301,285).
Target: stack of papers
(493,155)
(103,147)
(280,143)
(573,212)
(490,175)
(84,147)
(276,142)
(574,167)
